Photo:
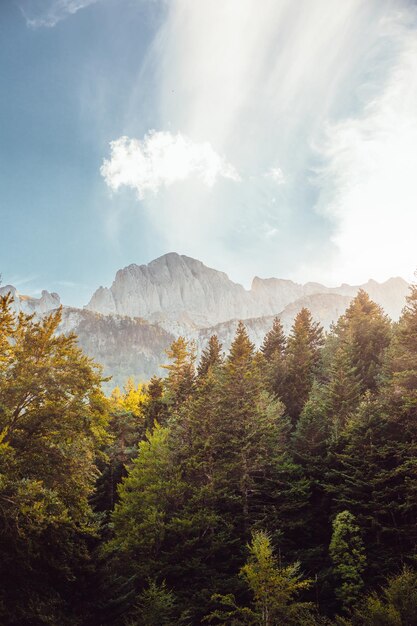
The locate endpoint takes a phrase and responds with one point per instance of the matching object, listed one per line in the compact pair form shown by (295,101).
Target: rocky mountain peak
(28,304)
(176,287)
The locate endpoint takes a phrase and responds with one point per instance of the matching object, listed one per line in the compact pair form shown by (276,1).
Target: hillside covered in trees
(267,487)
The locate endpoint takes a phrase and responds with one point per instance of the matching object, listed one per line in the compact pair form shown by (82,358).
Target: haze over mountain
(128,326)
(177,288)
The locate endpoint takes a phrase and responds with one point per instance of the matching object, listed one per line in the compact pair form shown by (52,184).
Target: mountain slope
(128,326)
(124,346)
(178,289)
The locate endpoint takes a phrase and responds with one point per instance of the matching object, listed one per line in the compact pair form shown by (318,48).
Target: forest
(267,487)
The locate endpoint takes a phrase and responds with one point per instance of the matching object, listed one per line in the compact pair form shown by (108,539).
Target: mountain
(173,287)
(128,326)
(124,346)
(176,289)
(27,304)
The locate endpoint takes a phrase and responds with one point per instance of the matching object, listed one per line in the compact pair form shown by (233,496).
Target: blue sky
(274,142)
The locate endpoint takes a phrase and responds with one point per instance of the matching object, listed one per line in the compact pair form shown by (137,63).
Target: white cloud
(271,232)
(276,174)
(261,83)
(369,181)
(47,13)
(161,159)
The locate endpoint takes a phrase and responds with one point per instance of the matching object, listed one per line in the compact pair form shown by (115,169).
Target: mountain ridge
(128,326)
(173,284)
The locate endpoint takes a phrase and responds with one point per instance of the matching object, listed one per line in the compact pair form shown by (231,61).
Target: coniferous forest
(267,487)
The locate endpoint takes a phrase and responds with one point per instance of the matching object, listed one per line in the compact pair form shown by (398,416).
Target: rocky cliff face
(325,308)
(173,287)
(124,346)
(47,302)
(128,326)
(177,290)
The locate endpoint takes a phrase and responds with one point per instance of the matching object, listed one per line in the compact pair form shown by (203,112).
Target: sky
(268,138)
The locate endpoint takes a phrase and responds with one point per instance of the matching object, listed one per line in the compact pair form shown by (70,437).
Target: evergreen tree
(348,556)
(275,341)
(232,440)
(156,606)
(273,349)
(310,445)
(179,383)
(302,357)
(375,474)
(151,489)
(210,357)
(155,405)
(396,605)
(364,333)
(274,589)
(341,393)
(402,362)
(252,432)
(127,427)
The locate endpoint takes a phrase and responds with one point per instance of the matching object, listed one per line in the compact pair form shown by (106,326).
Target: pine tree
(179,383)
(395,605)
(148,495)
(274,341)
(274,589)
(155,406)
(402,361)
(250,422)
(273,350)
(364,333)
(156,606)
(374,474)
(310,446)
(302,357)
(261,483)
(348,556)
(342,392)
(210,357)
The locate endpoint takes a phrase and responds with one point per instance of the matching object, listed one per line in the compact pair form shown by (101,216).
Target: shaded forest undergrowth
(271,487)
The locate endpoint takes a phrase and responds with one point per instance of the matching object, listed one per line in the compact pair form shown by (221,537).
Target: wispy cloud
(368,182)
(262,84)
(279,89)
(160,160)
(271,232)
(47,13)
(276,174)
(69,283)
(20,281)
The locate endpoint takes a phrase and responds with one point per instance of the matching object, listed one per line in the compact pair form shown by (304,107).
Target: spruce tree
(342,392)
(402,361)
(273,350)
(374,474)
(179,383)
(274,591)
(394,605)
(302,357)
(210,357)
(149,496)
(274,341)
(310,446)
(364,333)
(155,406)
(348,555)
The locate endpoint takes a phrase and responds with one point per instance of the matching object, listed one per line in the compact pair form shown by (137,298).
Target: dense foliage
(264,487)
